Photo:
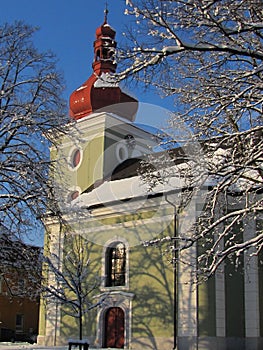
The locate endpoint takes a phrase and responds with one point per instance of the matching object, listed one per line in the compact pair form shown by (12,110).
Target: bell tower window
(105,53)
(97,57)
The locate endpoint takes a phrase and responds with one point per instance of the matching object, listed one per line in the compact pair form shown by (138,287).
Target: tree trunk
(80,325)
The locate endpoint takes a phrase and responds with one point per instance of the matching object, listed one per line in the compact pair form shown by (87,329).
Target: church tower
(103,203)
(104,114)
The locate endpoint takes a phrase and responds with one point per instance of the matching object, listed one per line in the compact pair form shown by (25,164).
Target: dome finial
(106,11)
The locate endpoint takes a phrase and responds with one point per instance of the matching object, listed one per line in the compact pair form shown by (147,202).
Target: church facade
(147,303)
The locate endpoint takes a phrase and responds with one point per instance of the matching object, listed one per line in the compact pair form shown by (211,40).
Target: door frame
(122,300)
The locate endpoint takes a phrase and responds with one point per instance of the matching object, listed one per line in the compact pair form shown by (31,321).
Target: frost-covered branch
(209,56)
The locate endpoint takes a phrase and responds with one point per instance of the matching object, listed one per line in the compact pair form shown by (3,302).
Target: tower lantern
(104,49)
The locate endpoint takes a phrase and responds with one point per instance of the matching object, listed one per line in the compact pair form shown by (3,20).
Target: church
(142,301)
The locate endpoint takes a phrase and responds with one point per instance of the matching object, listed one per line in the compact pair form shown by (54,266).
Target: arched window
(115,265)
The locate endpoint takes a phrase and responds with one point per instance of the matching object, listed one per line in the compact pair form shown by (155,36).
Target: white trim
(53,308)
(72,151)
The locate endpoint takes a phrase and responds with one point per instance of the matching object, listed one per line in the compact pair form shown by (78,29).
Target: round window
(75,158)
(73,195)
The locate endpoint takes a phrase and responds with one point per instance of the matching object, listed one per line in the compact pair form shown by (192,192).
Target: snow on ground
(28,346)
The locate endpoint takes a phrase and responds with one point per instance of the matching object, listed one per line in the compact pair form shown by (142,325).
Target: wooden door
(114,328)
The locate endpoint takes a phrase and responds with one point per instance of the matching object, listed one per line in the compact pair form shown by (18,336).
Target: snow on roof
(107,38)
(107,25)
(135,187)
(119,190)
(105,80)
(81,87)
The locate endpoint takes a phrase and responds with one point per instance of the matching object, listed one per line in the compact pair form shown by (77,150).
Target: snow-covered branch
(209,56)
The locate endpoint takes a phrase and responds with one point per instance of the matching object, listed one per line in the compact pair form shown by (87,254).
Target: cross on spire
(106,11)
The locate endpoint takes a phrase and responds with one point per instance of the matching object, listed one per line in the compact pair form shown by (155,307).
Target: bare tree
(20,269)
(31,105)
(71,279)
(209,55)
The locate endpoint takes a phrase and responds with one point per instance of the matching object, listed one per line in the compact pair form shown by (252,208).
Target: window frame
(107,265)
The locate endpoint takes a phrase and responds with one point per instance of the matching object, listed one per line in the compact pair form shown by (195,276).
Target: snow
(27,346)
(106,38)
(82,341)
(171,49)
(108,26)
(81,87)
(134,187)
(105,80)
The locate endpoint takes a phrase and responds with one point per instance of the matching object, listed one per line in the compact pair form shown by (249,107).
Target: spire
(104,48)
(106,11)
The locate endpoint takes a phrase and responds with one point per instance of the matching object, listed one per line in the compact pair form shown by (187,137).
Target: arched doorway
(114,328)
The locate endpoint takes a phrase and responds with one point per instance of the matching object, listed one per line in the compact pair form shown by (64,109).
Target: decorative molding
(119,299)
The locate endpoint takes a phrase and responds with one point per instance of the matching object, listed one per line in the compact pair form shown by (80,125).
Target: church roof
(130,188)
(122,190)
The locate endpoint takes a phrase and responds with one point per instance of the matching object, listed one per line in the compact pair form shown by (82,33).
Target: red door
(114,328)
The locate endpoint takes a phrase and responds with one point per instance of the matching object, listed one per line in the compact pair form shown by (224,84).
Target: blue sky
(67,28)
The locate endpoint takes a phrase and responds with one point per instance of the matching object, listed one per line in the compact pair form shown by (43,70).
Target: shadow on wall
(69,326)
(151,279)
